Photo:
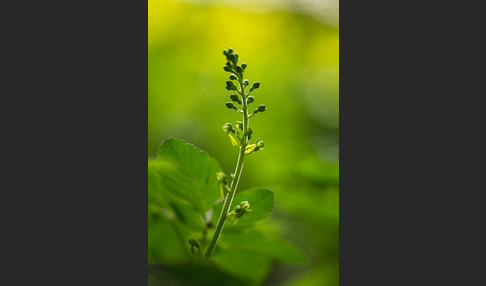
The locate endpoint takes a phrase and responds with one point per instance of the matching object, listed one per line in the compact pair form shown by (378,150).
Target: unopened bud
(239,125)
(243,66)
(193,242)
(228,128)
(261,108)
(230,85)
(239,69)
(231,105)
(250,99)
(222,178)
(235,98)
(246,82)
(233,76)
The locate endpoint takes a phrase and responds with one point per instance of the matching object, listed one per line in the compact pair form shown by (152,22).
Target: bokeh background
(292,49)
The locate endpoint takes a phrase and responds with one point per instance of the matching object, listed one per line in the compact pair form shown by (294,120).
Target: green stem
(234,183)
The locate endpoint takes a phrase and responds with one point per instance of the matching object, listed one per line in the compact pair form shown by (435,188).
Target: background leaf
(256,242)
(261,205)
(188,173)
(243,264)
(162,203)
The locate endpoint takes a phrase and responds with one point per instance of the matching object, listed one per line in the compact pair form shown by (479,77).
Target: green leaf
(188,173)
(162,204)
(164,244)
(261,205)
(256,242)
(243,264)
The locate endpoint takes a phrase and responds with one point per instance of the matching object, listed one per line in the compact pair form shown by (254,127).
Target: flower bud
(230,50)
(231,105)
(227,68)
(259,144)
(222,178)
(228,128)
(256,85)
(250,132)
(245,205)
(250,99)
(225,52)
(239,125)
(239,211)
(261,108)
(230,85)
(239,69)
(232,58)
(246,82)
(243,66)
(193,242)
(233,76)
(235,98)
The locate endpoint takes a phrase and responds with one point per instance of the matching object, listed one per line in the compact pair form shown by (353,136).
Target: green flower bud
(246,82)
(232,58)
(193,242)
(259,143)
(233,76)
(250,132)
(230,85)
(231,105)
(225,52)
(227,68)
(261,108)
(222,178)
(243,66)
(256,85)
(239,69)
(235,98)
(236,57)
(250,99)
(230,50)
(239,125)
(245,205)
(239,211)
(228,128)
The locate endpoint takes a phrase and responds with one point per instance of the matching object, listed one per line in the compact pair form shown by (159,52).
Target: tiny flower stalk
(239,137)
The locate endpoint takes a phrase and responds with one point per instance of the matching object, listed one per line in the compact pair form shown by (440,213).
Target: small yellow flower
(233,140)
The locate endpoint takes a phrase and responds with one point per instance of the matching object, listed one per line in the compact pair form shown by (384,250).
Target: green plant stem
(234,183)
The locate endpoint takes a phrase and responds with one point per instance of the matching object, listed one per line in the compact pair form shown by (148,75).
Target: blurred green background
(292,49)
